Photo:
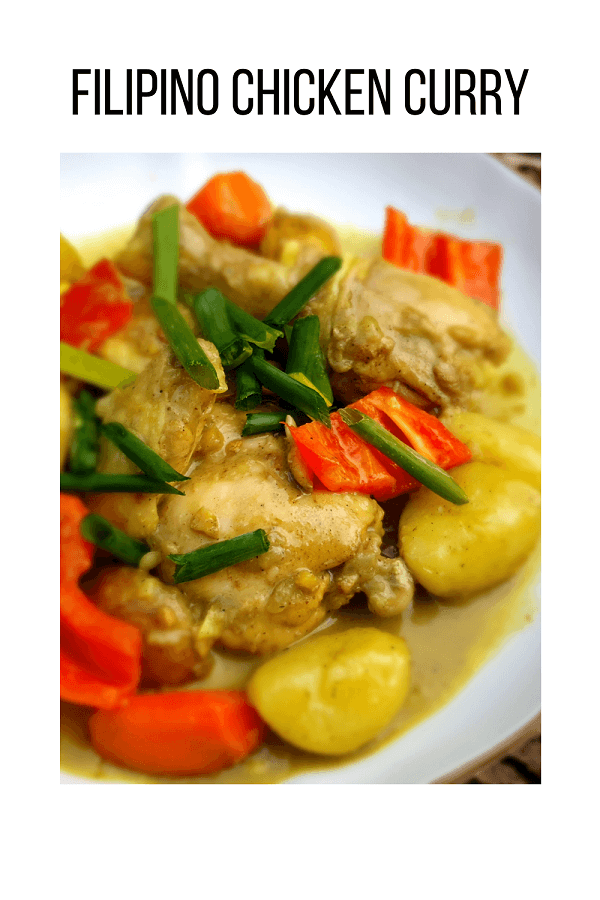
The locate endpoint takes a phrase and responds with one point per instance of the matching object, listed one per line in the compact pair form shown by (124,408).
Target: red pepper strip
(94,308)
(178,733)
(420,429)
(76,554)
(100,656)
(474,268)
(234,207)
(343,462)
(471,266)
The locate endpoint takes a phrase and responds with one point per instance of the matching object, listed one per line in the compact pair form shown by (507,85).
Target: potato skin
(508,446)
(334,692)
(456,551)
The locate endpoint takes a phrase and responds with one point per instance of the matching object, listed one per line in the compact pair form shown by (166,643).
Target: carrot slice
(233,207)
(178,733)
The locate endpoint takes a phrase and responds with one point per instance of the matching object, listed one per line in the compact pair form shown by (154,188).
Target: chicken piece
(269,602)
(379,324)
(167,410)
(256,284)
(299,241)
(421,337)
(160,611)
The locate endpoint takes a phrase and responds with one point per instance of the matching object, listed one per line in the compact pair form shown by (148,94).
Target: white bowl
(99,191)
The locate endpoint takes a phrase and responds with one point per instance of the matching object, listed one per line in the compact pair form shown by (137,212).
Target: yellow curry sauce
(440,666)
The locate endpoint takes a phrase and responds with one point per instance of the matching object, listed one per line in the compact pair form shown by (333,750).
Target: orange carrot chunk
(233,207)
(178,733)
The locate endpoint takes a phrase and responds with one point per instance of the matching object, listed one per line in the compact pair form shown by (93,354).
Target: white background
(251,839)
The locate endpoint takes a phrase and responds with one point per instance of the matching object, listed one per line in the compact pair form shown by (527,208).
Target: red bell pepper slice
(94,308)
(100,656)
(178,733)
(341,461)
(471,266)
(76,554)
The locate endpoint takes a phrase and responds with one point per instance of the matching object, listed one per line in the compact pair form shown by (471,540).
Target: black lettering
(236,107)
(384,98)
(208,111)
(141,93)
(96,92)
(486,92)
(129,101)
(188,99)
(163,92)
(407,104)
(262,90)
(516,92)
(311,103)
(350,90)
(107,110)
(77,91)
(325,91)
(446,106)
(286,92)
(464,92)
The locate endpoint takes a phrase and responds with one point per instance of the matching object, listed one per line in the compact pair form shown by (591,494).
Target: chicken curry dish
(300,486)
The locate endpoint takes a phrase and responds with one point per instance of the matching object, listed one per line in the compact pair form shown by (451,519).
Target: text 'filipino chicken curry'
(297,496)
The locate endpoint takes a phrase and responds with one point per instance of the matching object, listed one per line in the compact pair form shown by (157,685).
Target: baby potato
(71,267)
(456,551)
(334,692)
(513,448)
(66,423)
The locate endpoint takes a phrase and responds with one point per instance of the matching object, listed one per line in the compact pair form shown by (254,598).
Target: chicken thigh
(324,548)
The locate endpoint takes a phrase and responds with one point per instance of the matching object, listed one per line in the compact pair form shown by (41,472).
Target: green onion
(306,288)
(428,473)
(215,557)
(104,483)
(286,387)
(105,535)
(165,233)
(306,362)
(258,423)
(253,330)
(184,344)
(248,389)
(140,453)
(83,453)
(213,318)
(79,364)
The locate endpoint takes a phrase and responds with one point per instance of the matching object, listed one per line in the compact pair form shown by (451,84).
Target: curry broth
(440,667)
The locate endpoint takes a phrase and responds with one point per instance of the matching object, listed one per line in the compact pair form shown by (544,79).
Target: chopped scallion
(214,557)
(213,317)
(85,367)
(294,392)
(428,473)
(258,423)
(83,453)
(248,389)
(184,344)
(108,537)
(151,464)
(306,288)
(165,233)
(306,362)
(105,483)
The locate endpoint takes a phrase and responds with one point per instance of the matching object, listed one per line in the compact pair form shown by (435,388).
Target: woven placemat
(518,761)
